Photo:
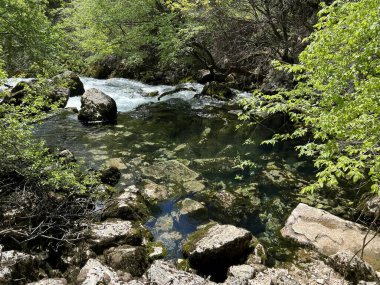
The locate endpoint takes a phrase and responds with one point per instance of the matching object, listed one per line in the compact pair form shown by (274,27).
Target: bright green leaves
(130,29)
(337,97)
(29,42)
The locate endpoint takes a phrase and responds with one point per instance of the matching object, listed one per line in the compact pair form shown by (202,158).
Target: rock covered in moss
(71,81)
(127,206)
(110,175)
(156,250)
(217,90)
(97,107)
(217,245)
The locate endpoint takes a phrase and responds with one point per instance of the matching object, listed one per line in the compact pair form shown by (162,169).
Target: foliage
(133,30)
(29,42)
(49,194)
(336,100)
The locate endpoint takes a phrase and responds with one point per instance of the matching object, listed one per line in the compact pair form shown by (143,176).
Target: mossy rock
(196,236)
(153,253)
(218,91)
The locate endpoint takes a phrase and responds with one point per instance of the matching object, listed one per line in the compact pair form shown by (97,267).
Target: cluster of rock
(119,252)
(96,106)
(56,90)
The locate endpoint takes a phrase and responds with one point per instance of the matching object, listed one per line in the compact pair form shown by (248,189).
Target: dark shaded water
(202,136)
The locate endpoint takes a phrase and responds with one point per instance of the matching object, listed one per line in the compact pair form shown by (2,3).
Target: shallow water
(203,136)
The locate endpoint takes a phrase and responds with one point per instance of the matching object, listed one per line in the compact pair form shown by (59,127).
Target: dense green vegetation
(336,101)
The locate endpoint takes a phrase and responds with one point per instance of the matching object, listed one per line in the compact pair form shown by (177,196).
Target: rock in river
(329,234)
(216,246)
(171,170)
(70,80)
(97,107)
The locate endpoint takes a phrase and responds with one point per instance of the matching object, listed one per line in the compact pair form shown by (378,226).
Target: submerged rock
(163,273)
(132,259)
(97,107)
(329,234)
(231,206)
(154,193)
(171,170)
(216,246)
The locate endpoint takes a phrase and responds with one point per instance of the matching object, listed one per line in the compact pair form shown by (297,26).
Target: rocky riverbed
(196,199)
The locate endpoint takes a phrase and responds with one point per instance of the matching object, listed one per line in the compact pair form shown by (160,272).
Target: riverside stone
(189,208)
(113,232)
(132,259)
(163,273)
(94,273)
(128,206)
(97,107)
(70,80)
(329,234)
(217,245)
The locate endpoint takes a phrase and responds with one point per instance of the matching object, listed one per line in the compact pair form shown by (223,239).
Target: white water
(129,94)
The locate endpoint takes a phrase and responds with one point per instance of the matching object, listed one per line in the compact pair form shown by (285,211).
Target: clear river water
(191,135)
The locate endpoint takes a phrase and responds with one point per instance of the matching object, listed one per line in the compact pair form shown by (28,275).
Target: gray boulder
(95,273)
(330,234)
(114,232)
(352,267)
(163,273)
(216,246)
(132,259)
(71,81)
(97,107)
